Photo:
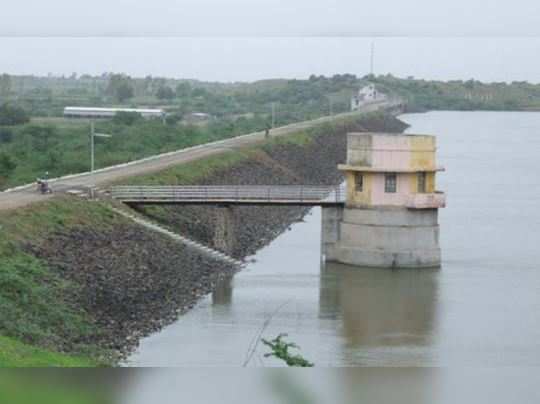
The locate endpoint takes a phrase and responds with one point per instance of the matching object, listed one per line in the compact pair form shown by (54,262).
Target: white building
(90,112)
(365,96)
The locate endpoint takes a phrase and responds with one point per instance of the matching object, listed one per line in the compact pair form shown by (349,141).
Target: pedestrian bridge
(297,195)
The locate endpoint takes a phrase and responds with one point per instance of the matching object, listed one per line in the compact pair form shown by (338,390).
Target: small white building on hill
(365,96)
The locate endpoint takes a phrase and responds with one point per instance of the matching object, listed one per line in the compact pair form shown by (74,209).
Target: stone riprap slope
(311,161)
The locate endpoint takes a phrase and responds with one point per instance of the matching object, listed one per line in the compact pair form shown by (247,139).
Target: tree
(42,138)
(120,87)
(5,84)
(13,115)
(183,90)
(165,93)
(173,119)
(6,135)
(199,92)
(7,165)
(126,118)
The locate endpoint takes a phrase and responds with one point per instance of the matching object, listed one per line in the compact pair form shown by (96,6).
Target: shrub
(127,118)
(173,119)
(13,115)
(6,135)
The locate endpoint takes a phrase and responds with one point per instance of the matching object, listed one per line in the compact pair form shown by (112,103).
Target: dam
(387,217)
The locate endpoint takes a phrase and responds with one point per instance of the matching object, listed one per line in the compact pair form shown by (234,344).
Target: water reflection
(378,307)
(223,293)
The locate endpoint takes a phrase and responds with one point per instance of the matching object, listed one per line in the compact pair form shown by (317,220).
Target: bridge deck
(231,195)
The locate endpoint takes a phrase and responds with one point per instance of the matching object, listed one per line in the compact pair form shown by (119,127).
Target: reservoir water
(481,308)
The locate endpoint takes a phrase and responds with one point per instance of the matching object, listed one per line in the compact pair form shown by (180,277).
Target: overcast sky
(231,40)
(270,17)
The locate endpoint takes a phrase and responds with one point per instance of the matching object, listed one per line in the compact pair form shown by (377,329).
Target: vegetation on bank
(14,353)
(294,100)
(35,305)
(280,349)
(424,95)
(52,388)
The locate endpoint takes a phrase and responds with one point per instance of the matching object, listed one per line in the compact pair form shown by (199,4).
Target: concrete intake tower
(390,217)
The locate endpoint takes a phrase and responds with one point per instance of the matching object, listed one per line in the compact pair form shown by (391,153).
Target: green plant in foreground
(280,350)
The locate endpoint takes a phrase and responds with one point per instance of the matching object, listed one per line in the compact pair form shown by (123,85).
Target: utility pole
(372,62)
(93,135)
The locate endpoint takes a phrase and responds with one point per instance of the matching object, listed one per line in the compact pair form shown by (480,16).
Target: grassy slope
(33,304)
(51,388)
(17,354)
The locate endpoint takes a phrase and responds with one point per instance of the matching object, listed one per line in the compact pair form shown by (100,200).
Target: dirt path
(28,194)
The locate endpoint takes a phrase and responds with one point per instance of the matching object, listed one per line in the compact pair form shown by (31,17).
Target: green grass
(191,172)
(61,147)
(56,387)
(34,308)
(62,123)
(17,354)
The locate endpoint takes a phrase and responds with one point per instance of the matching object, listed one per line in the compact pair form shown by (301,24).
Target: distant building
(365,96)
(90,112)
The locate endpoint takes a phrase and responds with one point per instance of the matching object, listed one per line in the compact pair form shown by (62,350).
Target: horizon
(247,60)
(270,79)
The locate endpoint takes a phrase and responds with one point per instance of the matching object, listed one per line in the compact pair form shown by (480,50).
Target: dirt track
(28,195)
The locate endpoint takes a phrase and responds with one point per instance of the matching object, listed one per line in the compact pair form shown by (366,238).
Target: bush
(13,115)
(127,118)
(173,119)
(165,93)
(6,135)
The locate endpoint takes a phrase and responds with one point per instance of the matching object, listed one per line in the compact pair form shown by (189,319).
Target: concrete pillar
(330,232)
(224,230)
(389,238)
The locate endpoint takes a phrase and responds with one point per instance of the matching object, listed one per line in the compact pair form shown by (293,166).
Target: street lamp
(93,135)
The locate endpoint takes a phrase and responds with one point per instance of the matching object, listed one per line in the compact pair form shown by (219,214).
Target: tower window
(390,183)
(359,182)
(422,182)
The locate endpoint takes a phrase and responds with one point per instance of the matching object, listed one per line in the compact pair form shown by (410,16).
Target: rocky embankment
(312,163)
(130,281)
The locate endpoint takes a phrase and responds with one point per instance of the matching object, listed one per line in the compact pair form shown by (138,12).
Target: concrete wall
(392,237)
(373,155)
(373,193)
(391,152)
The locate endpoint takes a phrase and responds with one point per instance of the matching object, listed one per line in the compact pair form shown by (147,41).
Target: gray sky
(248,59)
(270,17)
(231,40)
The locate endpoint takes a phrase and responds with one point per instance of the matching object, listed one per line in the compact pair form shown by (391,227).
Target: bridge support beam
(224,235)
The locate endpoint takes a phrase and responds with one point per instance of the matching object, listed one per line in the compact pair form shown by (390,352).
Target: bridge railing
(240,193)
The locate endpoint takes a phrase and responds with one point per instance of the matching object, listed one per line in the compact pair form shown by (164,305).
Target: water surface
(480,308)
